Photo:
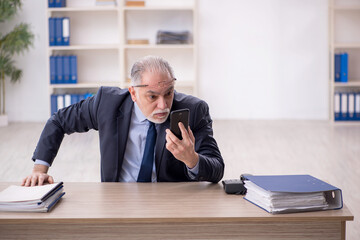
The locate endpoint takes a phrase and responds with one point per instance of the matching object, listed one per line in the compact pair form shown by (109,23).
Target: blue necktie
(148,158)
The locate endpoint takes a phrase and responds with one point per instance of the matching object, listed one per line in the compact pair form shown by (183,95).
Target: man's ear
(132,93)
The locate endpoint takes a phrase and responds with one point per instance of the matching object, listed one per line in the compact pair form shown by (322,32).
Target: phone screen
(177,116)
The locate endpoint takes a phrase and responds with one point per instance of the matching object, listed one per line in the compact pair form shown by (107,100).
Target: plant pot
(3,120)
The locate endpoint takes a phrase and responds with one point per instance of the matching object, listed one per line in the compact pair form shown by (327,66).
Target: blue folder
(299,184)
(51,3)
(73,69)
(58,32)
(53,70)
(66,69)
(54,107)
(52,32)
(59,69)
(344,68)
(337,67)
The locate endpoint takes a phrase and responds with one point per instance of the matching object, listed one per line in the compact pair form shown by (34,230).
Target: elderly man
(136,144)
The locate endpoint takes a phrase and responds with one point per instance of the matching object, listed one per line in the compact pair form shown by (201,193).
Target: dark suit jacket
(109,112)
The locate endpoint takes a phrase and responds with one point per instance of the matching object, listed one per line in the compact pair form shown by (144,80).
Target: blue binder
(66,69)
(74,98)
(51,3)
(298,184)
(54,106)
(53,76)
(52,32)
(337,106)
(73,69)
(59,69)
(58,32)
(337,67)
(60,3)
(344,68)
(65,31)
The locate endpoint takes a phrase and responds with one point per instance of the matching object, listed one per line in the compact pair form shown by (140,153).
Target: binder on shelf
(351,106)
(344,68)
(292,193)
(337,106)
(66,69)
(73,69)
(60,3)
(53,76)
(67,100)
(344,106)
(51,3)
(52,28)
(65,35)
(60,102)
(59,69)
(58,32)
(337,67)
(74,98)
(54,106)
(357,106)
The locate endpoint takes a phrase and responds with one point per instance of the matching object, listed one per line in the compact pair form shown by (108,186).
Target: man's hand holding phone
(183,150)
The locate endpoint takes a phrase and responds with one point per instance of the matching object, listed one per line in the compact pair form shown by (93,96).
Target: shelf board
(354,83)
(84,85)
(346,8)
(84,9)
(347,45)
(86,47)
(160,8)
(159,46)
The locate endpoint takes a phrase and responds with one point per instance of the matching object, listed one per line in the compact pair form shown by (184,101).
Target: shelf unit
(99,34)
(344,36)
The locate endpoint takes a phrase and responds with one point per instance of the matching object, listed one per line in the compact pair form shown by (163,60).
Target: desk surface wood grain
(159,202)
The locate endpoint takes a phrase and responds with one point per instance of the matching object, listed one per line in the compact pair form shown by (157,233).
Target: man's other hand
(38,176)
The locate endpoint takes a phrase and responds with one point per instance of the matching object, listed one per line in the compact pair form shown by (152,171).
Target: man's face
(155,96)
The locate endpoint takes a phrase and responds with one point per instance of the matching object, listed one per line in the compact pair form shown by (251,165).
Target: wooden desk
(165,211)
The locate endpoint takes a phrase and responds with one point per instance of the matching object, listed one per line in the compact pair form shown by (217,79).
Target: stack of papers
(31,199)
(292,193)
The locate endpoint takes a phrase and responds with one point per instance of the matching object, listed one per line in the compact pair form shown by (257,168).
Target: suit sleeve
(211,164)
(79,117)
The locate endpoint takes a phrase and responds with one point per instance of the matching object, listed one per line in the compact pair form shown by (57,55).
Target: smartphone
(177,116)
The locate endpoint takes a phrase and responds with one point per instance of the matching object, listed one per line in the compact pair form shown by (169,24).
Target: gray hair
(151,64)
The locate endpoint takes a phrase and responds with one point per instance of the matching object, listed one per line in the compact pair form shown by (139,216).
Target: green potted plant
(14,42)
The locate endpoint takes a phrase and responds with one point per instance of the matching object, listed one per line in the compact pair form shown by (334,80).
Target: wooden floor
(326,151)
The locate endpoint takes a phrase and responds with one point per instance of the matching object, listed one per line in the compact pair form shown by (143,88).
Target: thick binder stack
(59,101)
(169,37)
(291,193)
(59,31)
(63,69)
(341,67)
(347,106)
(31,199)
(56,3)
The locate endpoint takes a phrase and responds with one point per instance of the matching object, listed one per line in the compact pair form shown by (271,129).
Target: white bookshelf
(344,36)
(99,35)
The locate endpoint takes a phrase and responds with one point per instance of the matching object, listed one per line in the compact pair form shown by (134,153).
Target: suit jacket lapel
(123,125)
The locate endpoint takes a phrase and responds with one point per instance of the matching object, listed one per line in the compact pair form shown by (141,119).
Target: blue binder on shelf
(344,68)
(58,32)
(73,69)
(53,77)
(53,104)
(337,104)
(52,29)
(59,69)
(51,3)
(337,67)
(66,69)
(293,187)
(60,3)
(74,98)
(65,31)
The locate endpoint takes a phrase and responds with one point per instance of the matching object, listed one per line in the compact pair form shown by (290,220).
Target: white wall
(264,59)
(259,59)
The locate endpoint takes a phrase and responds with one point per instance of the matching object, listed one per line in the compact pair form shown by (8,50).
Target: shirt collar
(138,114)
